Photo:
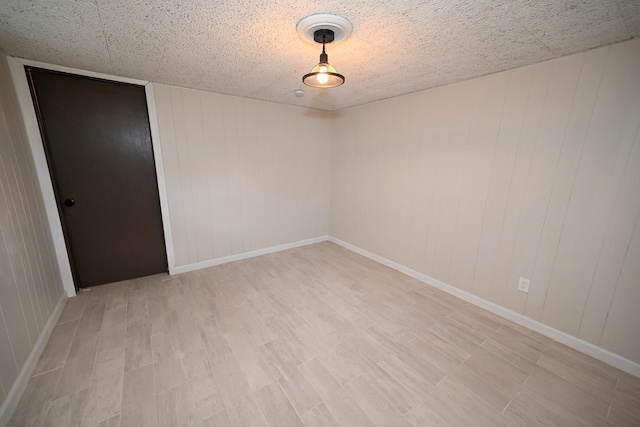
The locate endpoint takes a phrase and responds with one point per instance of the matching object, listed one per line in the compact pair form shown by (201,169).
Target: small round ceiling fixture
(340,26)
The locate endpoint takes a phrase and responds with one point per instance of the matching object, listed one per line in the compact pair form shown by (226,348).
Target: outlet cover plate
(523,284)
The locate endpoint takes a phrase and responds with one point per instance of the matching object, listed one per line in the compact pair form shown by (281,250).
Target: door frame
(19,77)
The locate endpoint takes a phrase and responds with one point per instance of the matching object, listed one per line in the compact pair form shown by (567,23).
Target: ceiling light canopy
(324,28)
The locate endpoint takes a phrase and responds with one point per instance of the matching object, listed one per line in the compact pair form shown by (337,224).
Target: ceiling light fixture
(324,28)
(323,75)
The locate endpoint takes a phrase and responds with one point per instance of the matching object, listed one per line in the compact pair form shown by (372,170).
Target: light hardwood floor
(315,336)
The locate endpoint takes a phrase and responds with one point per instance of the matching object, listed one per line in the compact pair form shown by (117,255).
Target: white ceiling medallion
(340,26)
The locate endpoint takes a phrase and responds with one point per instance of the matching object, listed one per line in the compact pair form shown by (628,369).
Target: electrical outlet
(523,285)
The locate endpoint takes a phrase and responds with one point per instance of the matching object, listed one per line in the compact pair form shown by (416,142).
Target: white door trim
(162,186)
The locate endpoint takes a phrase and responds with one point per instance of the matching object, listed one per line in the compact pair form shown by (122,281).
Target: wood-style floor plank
(319,416)
(276,407)
(218,419)
(78,368)
(257,372)
(301,394)
(340,404)
(139,398)
(73,308)
(35,401)
(57,349)
(167,365)
(237,397)
(374,404)
(138,343)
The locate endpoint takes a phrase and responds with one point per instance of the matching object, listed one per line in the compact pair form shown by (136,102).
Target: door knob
(69,202)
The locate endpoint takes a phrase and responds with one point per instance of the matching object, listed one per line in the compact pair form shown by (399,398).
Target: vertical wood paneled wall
(241,174)
(30,284)
(533,172)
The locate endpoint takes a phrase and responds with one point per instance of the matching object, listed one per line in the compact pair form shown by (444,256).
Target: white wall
(533,172)
(241,175)
(30,283)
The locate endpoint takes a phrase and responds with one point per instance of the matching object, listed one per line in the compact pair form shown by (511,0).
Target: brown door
(98,145)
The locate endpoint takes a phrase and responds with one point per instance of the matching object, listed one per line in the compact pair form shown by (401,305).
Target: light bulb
(323,78)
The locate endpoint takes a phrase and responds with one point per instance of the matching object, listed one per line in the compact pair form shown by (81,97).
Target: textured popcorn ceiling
(251,49)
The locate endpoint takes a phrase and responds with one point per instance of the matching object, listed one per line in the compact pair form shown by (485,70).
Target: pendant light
(323,75)
(324,28)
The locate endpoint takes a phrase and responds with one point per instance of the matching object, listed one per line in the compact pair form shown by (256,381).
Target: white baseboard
(245,255)
(20,384)
(592,350)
